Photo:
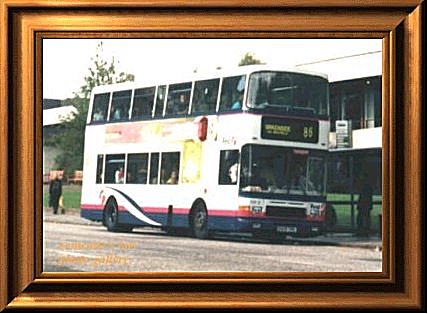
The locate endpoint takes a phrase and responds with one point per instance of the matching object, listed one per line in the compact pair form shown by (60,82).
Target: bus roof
(345,68)
(242,70)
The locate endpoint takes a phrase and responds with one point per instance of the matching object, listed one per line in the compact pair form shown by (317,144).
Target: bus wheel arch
(198,219)
(111,217)
(111,214)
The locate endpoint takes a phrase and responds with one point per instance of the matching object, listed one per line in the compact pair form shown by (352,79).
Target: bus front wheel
(200,221)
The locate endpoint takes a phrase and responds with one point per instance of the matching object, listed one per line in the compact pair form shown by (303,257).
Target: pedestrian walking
(364,206)
(55,192)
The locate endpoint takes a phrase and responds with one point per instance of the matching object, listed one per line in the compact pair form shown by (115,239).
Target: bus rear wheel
(200,221)
(111,215)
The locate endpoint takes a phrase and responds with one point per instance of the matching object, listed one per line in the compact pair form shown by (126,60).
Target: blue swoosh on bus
(135,210)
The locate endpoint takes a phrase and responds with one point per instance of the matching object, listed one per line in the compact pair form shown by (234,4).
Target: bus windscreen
(280,170)
(288,93)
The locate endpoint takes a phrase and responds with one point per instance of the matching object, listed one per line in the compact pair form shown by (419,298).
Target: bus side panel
(93,215)
(222,223)
(177,220)
(127,218)
(222,205)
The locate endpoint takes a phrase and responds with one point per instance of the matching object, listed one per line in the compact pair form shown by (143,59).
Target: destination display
(286,129)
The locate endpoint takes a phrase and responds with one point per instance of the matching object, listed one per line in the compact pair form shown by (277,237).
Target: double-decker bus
(242,150)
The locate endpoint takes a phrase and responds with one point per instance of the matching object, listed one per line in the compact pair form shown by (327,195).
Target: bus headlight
(257,209)
(315,210)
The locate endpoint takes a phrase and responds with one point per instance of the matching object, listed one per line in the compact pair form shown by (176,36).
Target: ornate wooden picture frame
(400,24)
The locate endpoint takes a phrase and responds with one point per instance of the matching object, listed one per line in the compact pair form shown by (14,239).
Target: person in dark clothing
(55,192)
(365,202)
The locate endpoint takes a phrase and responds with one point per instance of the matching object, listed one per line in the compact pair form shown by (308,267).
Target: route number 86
(308,132)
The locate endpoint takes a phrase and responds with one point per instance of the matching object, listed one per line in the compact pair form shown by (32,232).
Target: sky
(67,61)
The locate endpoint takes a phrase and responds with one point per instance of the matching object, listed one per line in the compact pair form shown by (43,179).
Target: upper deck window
(205,96)
(178,99)
(232,93)
(120,105)
(291,93)
(160,100)
(100,107)
(143,103)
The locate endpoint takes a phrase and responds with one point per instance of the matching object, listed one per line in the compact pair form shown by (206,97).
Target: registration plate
(286,229)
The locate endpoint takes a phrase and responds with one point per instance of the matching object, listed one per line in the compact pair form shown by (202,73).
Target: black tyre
(200,221)
(111,216)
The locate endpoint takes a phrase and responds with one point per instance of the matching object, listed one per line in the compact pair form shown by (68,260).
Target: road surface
(74,247)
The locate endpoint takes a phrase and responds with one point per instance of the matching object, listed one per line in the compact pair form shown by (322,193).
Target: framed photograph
(172,132)
(32,280)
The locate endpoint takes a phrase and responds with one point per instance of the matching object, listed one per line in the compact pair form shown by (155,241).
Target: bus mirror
(202,129)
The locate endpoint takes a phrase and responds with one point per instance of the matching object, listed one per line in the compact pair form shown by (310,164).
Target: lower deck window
(154,168)
(114,169)
(137,168)
(228,169)
(100,164)
(170,167)
(140,168)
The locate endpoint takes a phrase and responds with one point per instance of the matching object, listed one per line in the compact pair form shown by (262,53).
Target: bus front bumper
(286,227)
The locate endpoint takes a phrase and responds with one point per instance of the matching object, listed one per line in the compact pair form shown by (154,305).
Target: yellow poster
(192,161)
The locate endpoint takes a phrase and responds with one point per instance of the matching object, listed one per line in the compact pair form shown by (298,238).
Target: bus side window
(143,103)
(205,96)
(114,168)
(154,168)
(137,168)
(232,93)
(178,99)
(169,168)
(120,105)
(228,169)
(160,99)
(100,107)
(100,161)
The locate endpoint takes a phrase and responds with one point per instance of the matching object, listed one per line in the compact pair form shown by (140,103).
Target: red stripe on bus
(92,207)
(164,210)
(98,207)
(157,210)
(211,212)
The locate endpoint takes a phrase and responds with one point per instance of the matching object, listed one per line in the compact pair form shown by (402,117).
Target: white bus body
(202,148)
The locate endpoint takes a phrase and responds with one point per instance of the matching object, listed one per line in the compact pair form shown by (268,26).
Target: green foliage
(70,193)
(102,73)
(69,139)
(249,59)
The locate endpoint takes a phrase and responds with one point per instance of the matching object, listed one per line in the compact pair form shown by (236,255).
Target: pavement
(72,216)
(348,240)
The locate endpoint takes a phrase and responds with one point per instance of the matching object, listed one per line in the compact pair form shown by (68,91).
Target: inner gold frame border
(400,24)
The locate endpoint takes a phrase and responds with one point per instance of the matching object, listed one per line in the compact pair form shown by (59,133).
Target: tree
(249,59)
(102,73)
(69,136)
(69,140)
